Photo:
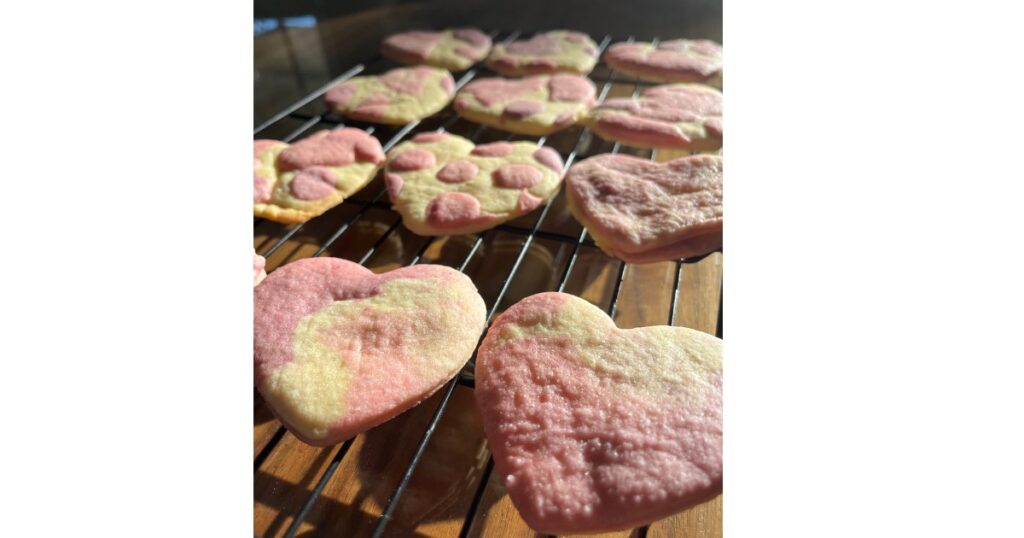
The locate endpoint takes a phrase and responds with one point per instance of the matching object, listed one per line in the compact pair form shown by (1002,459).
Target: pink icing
(517,176)
(490,91)
(527,201)
(394,183)
(412,159)
(454,210)
(339,96)
(494,149)
(522,109)
(414,45)
(340,147)
(373,106)
(408,80)
(540,45)
(582,450)
(644,207)
(312,183)
(424,138)
(550,158)
(571,88)
(458,172)
(448,84)
(472,36)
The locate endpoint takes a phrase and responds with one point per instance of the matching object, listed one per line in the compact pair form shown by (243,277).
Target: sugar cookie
(642,211)
(678,60)
(339,349)
(595,428)
(294,183)
(455,50)
(443,184)
(550,52)
(397,97)
(537,105)
(670,116)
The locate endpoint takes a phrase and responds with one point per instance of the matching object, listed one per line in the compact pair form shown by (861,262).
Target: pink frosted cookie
(339,349)
(294,183)
(537,105)
(678,60)
(594,428)
(455,50)
(443,184)
(550,52)
(397,97)
(642,211)
(259,268)
(671,116)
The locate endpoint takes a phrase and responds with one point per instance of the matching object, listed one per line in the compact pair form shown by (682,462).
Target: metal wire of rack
(465,377)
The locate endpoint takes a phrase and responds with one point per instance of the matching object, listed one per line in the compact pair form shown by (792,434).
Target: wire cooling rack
(310,114)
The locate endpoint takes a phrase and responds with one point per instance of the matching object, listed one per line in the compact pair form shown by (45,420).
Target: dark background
(301,45)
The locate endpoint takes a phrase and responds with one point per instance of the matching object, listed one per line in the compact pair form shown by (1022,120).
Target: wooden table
(342,490)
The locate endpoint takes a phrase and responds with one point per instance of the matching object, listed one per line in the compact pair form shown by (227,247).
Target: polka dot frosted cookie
(671,116)
(550,52)
(678,60)
(443,184)
(537,105)
(455,50)
(397,97)
(642,211)
(594,428)
(339,349)
(294,183)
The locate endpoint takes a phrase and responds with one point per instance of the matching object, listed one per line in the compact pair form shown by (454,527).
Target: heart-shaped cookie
(443,184)
(397,97)
(455,50)
(671,116)
(642,211)
(549,52)
(678,60)
(594,428)
(339,349)
(537,105)
(294,183)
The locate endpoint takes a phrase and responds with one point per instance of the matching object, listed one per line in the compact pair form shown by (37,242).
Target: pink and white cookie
(549,52)
(455,50)
(259,268)
(443,184)
(339,349)
(294,183)
(595,428)
(537,105)
(678,60)
(397,97)
(642,211)
(671,116)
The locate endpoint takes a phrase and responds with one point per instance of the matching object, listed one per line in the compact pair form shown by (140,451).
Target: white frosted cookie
(671,116)
(677,60)
(443,184)
(550,52)
(397,97)
(537,105)
(294,183)
(455,50)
